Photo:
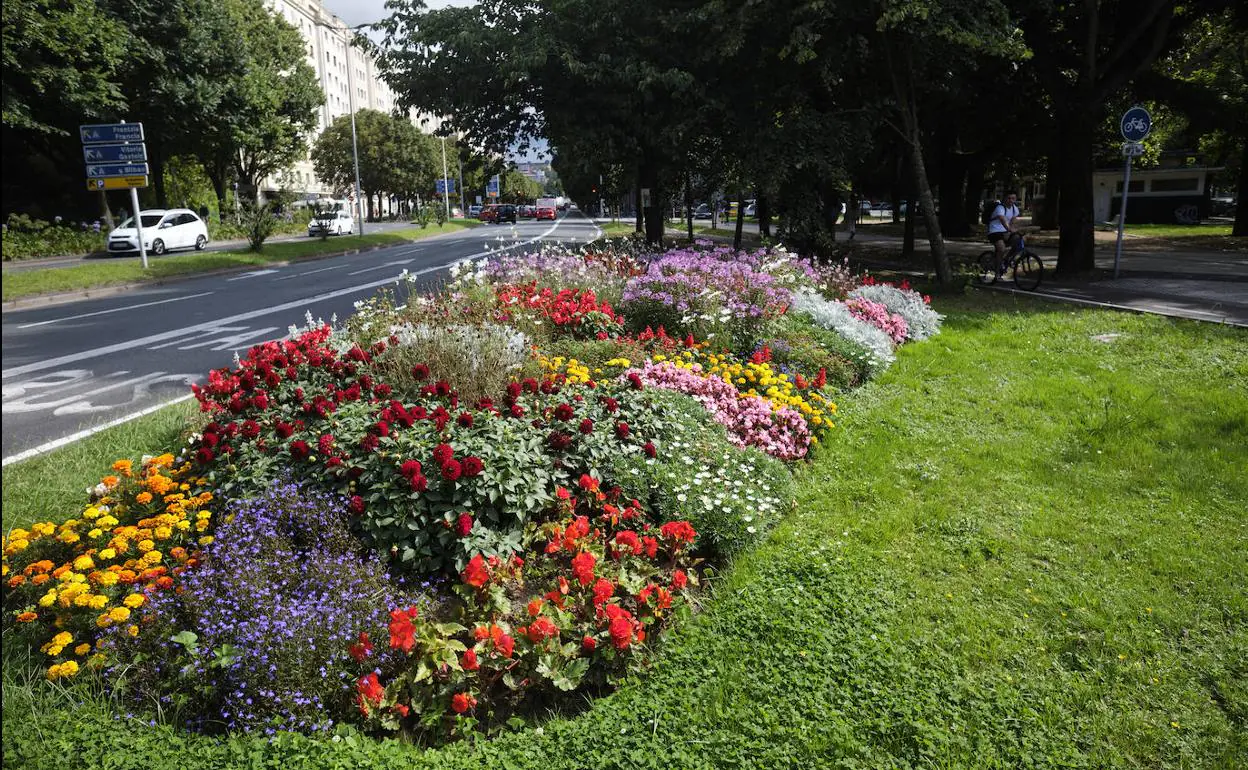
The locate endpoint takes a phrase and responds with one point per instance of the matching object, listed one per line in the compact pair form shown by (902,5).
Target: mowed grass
(1024,547)
(112,272)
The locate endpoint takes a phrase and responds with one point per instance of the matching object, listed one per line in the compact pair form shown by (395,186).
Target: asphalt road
(74,367)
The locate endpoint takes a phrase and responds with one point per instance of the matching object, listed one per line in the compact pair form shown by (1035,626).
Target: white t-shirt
(994,224)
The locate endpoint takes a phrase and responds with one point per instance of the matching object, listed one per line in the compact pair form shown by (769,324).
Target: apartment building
(348,78)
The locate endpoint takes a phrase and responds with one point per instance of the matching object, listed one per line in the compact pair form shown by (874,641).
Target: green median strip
(113,272)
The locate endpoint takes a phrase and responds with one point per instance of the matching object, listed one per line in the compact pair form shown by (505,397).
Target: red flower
(516,410)
(505,645)
(251,429)
(469,660)
(559,441)
(260,400)
(402,632)
(583,567)
(562,493)
(628,538)
(679,579)
(204,455)
(420,372)
(472,466)
(325,444)
(442,453)
(464,419)
(563,412)
(649,546)
(442,388)
(621,631)
(299,449)
(362,649)
(410,468)
(401,709)
(678,531)
(587,426)
(475,574)
(284,429)
(649,449)
(621,429)
(419,482)
(635,379)
(462,702)
(588,483)
(588,644)
(603,590)
(535,607)
(542,629)
(451,470)
(357,504)
(371,692)
(464,524)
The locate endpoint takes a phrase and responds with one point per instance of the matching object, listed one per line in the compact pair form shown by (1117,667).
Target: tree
(394,156)
(71,49)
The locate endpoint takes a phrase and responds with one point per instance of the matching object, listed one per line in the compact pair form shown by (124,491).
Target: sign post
(491,187)
(116,159)
(1135,126)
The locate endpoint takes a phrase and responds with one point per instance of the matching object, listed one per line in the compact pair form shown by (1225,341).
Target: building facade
(348,77)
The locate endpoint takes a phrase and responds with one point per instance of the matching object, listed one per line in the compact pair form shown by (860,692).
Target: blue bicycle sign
(1136,123)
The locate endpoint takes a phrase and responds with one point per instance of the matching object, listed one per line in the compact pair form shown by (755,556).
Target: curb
(46,300)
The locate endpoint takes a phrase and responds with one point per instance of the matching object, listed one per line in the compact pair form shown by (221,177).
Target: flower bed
(461,511)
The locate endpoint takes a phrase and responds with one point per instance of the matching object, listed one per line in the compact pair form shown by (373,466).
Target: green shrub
(27,238)
(810,347)
(423,216)
(258,224)
(439,213)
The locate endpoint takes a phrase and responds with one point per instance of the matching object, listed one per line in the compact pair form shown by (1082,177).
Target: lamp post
(446,198)
(355,151)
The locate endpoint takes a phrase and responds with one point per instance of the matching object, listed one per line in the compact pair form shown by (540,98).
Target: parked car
(506,213)
(545,212)
(163,230)
(528,211)
(474,211)
(331,223)
(702,211)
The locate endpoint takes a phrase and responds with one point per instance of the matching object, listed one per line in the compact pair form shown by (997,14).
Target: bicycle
(1028,268)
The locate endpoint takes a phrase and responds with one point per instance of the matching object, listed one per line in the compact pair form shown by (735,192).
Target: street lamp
(355,151)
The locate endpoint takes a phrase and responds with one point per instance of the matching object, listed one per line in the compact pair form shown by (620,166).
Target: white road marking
(60,442)
(252,274)
(379,267)
(310,272)
(114,310)
(149,340)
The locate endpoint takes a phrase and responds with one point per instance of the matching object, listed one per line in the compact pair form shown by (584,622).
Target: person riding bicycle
(1001,226)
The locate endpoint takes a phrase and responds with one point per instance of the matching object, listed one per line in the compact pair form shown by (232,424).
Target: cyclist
(1001,226)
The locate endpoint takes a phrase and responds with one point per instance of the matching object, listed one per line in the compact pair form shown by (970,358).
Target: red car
(488,214)
(546,213)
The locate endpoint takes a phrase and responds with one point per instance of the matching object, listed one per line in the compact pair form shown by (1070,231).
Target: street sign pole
(1122,214)
(138,223)
(1135,125)
(446,198)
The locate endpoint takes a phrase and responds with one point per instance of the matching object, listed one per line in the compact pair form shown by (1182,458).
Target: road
(71,368)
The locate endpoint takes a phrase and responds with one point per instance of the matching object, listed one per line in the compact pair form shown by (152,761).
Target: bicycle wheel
(1028,270)
(986,268)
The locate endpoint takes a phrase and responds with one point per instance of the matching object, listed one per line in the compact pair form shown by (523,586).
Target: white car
(335,222)
(163,230)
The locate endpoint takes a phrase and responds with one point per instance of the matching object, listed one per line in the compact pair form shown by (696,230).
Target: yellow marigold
(206,540)
(81,600)
(146,545)
(110,481)
(104,621)
(93,534)
(118,614)
(106,521)
(17,546)
(82,649)
(99,602)
(44,528)
(134,601)
(123,467)
(143,498)
(133,630)
(48,599)
(4,569)
(63,638)
(152,557)
(163,533)
(202,524)
(159,484)
(107,579)
(90,512)
(108,553)
(83,563)
(183,525)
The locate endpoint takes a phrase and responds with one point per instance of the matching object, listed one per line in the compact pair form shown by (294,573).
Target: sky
(354,12)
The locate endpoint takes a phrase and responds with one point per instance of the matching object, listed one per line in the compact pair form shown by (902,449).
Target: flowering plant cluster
(836,316)
(599,582)
(577,312)
(921,321)
(750,420)
(878,316)
(66,583)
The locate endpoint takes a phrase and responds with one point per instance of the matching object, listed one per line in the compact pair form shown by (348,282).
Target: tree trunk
(1076,245)
(940,257)
(689,206)
(1046,219)
(953,184)
(764,216)
(1241,211)
(972,195)
(652,215)
(736,238)
(907,238)
(217,178)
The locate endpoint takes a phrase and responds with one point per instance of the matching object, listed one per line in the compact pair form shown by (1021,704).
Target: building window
(1137,185)
(1182,184)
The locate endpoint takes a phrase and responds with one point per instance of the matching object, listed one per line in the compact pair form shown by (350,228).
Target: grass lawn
(1025,548)
(109,272)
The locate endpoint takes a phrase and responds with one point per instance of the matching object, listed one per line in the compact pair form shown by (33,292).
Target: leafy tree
(395,157)
(70,49)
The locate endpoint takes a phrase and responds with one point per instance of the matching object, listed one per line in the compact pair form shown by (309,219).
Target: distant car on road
(163,230)
(331,223)
(545,212)
(474,211)
(703,211)
(499,213)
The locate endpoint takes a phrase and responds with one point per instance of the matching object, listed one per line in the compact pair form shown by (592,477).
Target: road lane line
(60,442)
(114,310)
(310,272)
(107,350)
(252,274)
(381,267)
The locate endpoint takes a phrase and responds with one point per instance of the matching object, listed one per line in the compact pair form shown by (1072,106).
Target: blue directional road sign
(105,170)
(1136,123)
(491,188)
(445,186)
(111,133)
(115,153)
